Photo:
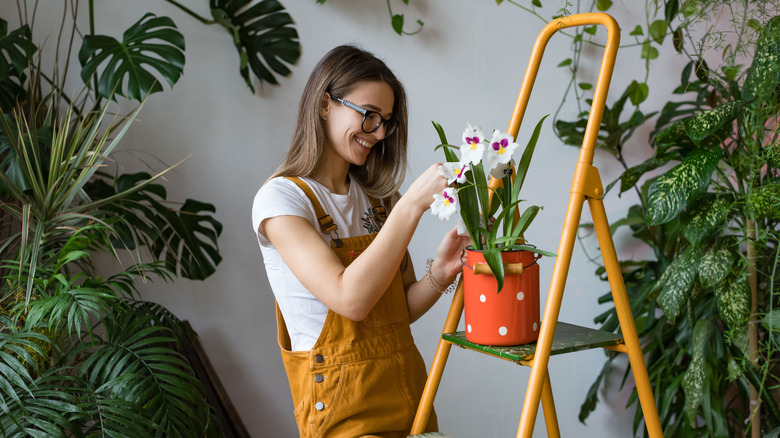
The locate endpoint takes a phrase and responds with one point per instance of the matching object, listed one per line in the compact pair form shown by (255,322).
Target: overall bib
(361,379)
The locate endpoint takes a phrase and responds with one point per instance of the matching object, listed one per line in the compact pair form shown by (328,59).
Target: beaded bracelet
(435,283)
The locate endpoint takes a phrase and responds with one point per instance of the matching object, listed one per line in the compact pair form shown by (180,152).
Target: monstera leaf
(152,43)
(263,34)
(15,49)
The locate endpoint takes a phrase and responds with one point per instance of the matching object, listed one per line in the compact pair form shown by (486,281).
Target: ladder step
(430,435)
(568,338)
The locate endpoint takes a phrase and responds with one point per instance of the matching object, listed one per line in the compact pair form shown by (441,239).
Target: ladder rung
(568,338)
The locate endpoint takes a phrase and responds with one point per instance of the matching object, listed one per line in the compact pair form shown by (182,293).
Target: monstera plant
(81,354)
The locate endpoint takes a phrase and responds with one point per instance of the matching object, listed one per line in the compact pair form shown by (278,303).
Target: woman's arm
(353,291)
(422,295)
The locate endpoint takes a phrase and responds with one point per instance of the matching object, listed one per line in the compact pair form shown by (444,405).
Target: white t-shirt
(303,313)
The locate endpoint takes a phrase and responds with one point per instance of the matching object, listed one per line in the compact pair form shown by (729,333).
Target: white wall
(465,66)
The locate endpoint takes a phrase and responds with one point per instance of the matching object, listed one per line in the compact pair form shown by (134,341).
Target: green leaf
(590,30)
(733,299)
(496,264)
(648,51)
(694,379)
(675,284)
(631,176)
(669,194)
(716,262)
(263,34)
(657,30)
(678,40)
(565,62)
(152,43)
(16,48)
(398,23)
(585,85)
(603,5)
(763,77)
(638,31)
(536,3)
(638,92)
(706,123)
(764,201)
(706,215)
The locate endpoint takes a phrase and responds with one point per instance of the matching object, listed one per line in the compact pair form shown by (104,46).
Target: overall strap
(379,209)
(326,222)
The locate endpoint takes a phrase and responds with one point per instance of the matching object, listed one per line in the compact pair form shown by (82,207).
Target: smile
(363,143)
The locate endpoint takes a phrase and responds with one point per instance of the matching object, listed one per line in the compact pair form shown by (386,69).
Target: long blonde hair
(337,73)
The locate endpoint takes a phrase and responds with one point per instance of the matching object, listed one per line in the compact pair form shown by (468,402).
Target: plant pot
(510,317)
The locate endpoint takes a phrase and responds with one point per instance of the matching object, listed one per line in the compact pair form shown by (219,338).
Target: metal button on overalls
(319,406)
(319,378)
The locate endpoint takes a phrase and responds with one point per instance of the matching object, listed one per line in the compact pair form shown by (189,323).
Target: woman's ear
(325,106)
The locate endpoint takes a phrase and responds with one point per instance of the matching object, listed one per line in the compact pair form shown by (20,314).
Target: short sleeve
(279,197)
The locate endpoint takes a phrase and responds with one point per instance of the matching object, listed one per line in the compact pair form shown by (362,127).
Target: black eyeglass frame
(390,124)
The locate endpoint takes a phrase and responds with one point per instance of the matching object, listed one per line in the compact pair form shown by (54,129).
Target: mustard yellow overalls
(361,379)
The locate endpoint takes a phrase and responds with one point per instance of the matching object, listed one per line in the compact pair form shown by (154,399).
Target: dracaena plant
(486,192)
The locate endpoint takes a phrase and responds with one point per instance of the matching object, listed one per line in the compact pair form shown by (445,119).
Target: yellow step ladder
(558,337)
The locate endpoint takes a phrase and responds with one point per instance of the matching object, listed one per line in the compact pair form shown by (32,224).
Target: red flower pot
(510,317)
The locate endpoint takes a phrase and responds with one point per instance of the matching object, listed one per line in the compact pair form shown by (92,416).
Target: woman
(336,259)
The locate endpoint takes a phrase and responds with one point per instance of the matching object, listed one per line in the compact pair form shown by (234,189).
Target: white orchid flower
(454,172)
(445,205)
(500,150)
(473,144)
(498,171)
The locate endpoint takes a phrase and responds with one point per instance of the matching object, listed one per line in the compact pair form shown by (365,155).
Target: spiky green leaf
(669,194)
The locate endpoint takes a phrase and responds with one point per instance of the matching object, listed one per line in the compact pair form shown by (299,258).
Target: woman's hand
(447,264)
(429,183)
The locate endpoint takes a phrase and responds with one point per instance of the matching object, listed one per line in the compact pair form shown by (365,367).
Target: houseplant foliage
(488,213)
(81,354)
(708,211)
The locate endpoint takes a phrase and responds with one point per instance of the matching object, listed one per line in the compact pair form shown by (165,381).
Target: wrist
(437,278)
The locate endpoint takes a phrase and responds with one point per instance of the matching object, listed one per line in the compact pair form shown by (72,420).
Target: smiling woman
(336,257)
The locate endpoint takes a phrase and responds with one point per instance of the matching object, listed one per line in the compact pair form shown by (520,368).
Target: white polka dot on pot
(536,325)
(502,331)
(520,296)
(468,327)
(482,298)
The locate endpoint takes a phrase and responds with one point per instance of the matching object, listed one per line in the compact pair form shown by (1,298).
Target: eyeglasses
(372,120)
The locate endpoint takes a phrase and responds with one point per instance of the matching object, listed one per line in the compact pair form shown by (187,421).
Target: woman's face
(344,135)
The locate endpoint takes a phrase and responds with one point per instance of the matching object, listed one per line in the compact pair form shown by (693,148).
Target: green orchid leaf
(482,190)
(525,160)
(448,153)
(152,43)
(525,221)
(706,215)
(716,262)
(764,201)
(675,284)
(669,194)
(763,76)
(706,123)
(263,34)
(496,264)
(695,375)
(733,299)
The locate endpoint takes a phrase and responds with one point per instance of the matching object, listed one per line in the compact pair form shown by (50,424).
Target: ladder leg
(439,360)
(548,407)
(626,318)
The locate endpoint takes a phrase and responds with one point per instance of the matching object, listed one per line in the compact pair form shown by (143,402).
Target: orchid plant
(487,208)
